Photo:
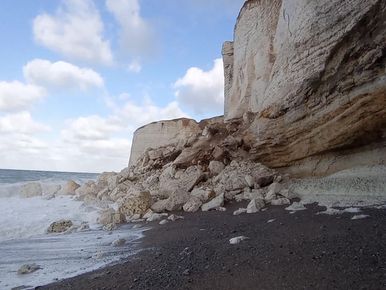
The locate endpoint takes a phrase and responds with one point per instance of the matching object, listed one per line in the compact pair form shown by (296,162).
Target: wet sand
(296,251)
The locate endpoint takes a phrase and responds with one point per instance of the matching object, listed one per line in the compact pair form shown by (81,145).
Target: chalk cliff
(313,73)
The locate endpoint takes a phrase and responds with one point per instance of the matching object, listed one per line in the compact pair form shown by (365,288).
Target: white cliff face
(160,134)
(280,45)
(313,72)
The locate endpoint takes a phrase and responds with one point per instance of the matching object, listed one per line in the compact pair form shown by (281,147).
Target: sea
(23,237)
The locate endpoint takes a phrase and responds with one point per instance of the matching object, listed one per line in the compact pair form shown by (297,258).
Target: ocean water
(23,237)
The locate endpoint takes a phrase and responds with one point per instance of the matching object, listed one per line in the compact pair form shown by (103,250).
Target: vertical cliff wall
(313,72)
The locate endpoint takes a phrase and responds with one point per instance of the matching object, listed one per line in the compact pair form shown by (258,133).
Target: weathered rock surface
(69,188)
(28,268)
(109,216)
(60,226)
(215,203)
(255,205)
(313,76)
(132,205)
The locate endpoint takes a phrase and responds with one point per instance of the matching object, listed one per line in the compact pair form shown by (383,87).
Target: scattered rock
(280,201)
(240,211)
(118,243)
(88,188)
(110,227)
(160,206)
(203,194)
(193,204)
(296,206)
(270,221)
(174,217)
(28,268)
(214,203)
(109,216)
(359,216)
(156,217)
(249,180)
(237,240)
(60,226)
(176,200)
(69,188)
(163,222)
(215,167)
(255,205)
(265,180)
(139,204)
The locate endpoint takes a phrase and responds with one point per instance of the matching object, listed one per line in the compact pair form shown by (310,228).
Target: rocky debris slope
(203,174)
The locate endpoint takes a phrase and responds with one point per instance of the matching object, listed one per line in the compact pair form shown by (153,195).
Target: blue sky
(77,77)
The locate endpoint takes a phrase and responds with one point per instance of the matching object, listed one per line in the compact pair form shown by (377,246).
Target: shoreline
(295,251)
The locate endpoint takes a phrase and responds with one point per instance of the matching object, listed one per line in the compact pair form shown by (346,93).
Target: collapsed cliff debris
(305,94)
(203,174)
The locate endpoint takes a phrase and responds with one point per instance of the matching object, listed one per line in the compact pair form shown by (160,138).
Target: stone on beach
(240,211)
(60,226)
(237,240)
(69,188)
(296,206)
(280,201)
(214,203)
(28,268)
(255,205)
(131,205)
(118,243)
(192,205)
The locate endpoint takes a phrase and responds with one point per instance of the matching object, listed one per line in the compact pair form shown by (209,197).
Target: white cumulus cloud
(75,31)
(202,91)
(61,75)
(137,37)
(16,95)
(22,123)
(90,128)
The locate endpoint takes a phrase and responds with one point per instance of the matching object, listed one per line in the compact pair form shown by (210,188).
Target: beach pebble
(174,217)
(296,206)
(237,240)
(60,226)
(28,268)
(118,243)
(156,217)
(281,201)
(270,221)
(359,216)
(240,211)
(163,222)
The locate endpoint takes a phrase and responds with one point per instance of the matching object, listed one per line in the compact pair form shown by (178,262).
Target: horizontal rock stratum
(305,91)
(313,73)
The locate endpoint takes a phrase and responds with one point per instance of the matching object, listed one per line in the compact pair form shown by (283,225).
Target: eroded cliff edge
(313,74)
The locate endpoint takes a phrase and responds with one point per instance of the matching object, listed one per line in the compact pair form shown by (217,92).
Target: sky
(77,77)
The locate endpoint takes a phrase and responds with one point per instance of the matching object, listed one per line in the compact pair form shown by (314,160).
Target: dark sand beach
(295,251)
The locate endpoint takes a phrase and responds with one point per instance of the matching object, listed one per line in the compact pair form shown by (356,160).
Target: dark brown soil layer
(296,251)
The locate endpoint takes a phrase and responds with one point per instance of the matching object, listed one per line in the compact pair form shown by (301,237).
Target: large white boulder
(69,188)
(132,205)
(215,203)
